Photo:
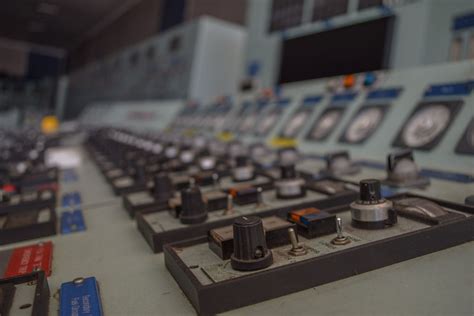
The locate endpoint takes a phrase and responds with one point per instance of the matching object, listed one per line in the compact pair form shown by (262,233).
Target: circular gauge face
(248,123)
(425,125)
(267,123)
(325,124)
(363,124)
(219,122)
(295,124)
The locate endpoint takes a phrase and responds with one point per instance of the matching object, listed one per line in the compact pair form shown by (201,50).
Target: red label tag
(30,258)
(10,188)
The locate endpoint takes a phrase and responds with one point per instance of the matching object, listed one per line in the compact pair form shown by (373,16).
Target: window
(286,14)
(325,9)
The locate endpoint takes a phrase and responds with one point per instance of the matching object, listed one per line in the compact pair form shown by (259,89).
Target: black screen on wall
(350,49)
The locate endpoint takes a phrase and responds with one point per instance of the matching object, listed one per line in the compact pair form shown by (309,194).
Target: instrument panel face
(427,124)
(364,124)
(267,122)
(296,122)
(326,123)
(235,122)
(466,143)
(255,123)
(248,122)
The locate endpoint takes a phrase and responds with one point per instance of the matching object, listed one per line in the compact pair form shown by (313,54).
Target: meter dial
(425,125)
(364,124)
(295,124)
(325,124)
(267,123)
(248,123)
(466,143)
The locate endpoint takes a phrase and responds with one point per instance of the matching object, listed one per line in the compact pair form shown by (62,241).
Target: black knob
(335,159)
(4,196)
(193,208)
(370,191)
(288,171)
(469,200)
(140,173)
(163,187)
(241,161)
(250,247)
(394,158)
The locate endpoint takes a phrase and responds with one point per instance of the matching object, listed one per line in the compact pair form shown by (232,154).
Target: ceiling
(58,23)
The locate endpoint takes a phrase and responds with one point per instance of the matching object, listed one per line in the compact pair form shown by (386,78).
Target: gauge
(293,127)
(427,124)
(466,143)
(363,124)
(219,122)
(267,123)
(248,123)
(325,124)
(424,126)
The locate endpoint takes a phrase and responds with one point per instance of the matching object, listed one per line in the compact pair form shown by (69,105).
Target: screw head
(78,281)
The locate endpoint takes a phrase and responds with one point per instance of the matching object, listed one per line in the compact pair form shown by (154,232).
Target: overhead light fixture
(47,8)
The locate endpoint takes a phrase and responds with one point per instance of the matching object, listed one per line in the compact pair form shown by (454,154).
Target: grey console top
(134,281)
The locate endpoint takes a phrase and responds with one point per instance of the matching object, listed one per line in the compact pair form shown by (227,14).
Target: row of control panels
(230,217)
(428,109)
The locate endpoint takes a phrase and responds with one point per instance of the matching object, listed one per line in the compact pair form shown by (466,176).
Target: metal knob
(340,238)
(297,249)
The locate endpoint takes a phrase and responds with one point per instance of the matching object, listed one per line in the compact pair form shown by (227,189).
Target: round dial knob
(288,171)
(193,208)
(250,247)
(370,191)
(163,189)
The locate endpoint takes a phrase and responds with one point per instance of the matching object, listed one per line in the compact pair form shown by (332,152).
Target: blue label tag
(391,93)
(80,297)
(387,192)
(450,89)
(69,175)
(312,100)
(283,102)
(430,173)
(344,97)
(463,22)
(72,222)
(448,176)
(71,199)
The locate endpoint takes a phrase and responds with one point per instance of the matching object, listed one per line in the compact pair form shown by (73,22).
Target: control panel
(283,199)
